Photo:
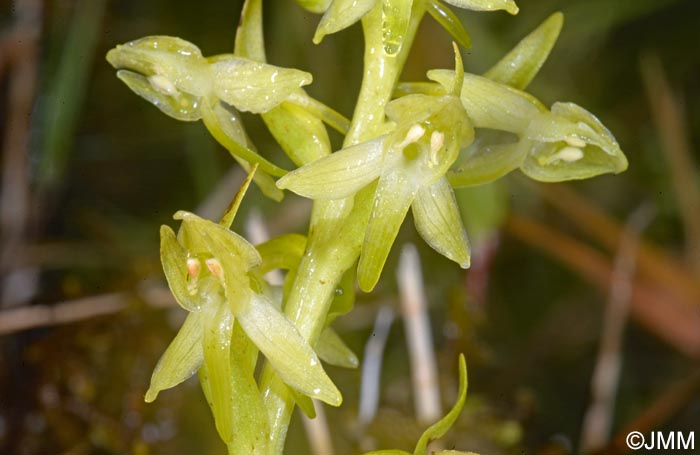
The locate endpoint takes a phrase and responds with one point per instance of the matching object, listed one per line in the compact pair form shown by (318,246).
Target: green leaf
(224,123)
(253,86)
(331,349)
(492,105)
(181,359)
(485,164)
(287,351)
(519,66)
(438,221)
(450,22)
(157,91)
(486,5)
(441,427)
(396,16)
(340,15)
(174,260)
(338,175)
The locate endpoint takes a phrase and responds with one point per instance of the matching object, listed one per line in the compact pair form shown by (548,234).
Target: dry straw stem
(606,374)
(418,336)
(667,112)
(653,305)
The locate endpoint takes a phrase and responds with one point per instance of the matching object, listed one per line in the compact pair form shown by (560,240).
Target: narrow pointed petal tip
(340,15)
(287,351)
(438,221)
(519,66)
(450,22)
(393,198)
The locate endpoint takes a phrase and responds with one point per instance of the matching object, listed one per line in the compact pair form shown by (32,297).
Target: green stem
(337,227)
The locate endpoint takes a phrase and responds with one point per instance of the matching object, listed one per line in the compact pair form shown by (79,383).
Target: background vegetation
(90,171)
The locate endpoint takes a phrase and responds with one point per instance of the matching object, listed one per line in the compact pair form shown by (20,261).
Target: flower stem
(337,226)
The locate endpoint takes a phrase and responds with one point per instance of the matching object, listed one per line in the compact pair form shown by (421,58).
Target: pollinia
(408,145)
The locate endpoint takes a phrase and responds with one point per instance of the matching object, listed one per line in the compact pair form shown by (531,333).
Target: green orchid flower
(208,270)
(565,142)
(410,165)
(172,74)
(396,15)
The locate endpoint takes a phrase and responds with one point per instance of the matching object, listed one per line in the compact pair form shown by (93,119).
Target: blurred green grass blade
(67,89)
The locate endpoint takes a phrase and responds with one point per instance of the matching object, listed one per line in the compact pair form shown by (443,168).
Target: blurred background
(569,282)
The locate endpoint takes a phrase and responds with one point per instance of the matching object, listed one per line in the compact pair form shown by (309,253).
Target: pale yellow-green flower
(409,164)
(172,74)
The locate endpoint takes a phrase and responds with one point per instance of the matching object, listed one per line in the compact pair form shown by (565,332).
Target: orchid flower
(562,143)
(172,74)
(216,275)
(410,164)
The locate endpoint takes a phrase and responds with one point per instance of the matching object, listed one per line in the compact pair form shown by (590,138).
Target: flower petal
(177,61)
(393,197)
(558,162)
(338,175)
(492,105)
(199,235)
(218,328)
(252,86)
(486,5)
(224,123)
(489,163)
(174,260)
(438,221)
(331,349)
(519,66)
(450,22)
(250,424)
(181,359)
(249,42)
(288,353)
(340,15)
(178,105)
